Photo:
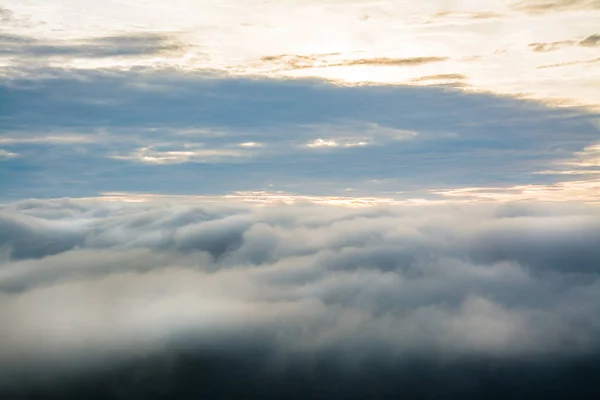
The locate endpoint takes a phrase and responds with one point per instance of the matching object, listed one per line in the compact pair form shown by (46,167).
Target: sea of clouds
(297,299)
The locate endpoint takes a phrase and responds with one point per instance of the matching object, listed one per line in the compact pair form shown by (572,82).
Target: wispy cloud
(585,162)
(251,144)
(336,60)
(590,41)
(566,64)
(150,155)
(441,77)
(5,15)
(469,15)
(49,139)
(545,6)
(129,45)
(7,154)
(322,143)
(584,191)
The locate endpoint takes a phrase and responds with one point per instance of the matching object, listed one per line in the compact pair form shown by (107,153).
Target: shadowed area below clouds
(180,300)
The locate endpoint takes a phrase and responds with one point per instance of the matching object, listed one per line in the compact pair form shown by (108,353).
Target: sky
(312,198)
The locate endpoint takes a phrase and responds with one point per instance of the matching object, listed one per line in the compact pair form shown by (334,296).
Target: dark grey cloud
(543,6)
(158,300)
(100,47)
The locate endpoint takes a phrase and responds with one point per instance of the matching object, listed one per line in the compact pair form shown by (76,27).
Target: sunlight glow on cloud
(585,162)
(151,156)
(585,191)
(322,143)
(7,154)
(250,144)
(589,157)
(463,44)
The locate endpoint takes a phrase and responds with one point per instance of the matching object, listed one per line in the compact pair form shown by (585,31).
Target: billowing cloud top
(91,286)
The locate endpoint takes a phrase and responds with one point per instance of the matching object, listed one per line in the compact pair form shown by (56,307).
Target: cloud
(91,287)
(250,144)
(128,45)
(5,15)
(322,143)
(546,47)
(417,138)
(287,61)
(400,62)
(50,139)
(566,64)
(330,143)
(381,42)
(586,191)
(442,77)
(469,15)
(6,154)
(260,198)
(590,41)
(544,6)
(585,162)
(188,154)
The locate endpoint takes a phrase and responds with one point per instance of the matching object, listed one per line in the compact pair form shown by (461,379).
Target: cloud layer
(82,134)
(353,42)
(86,285)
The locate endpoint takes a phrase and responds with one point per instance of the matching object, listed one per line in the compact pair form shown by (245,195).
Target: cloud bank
(156,300)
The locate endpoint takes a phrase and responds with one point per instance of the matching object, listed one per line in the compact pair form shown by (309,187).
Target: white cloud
(355,134)
(322,143)
(150,156)
(7,154)
(586,191)
(356,144)
(251,144)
